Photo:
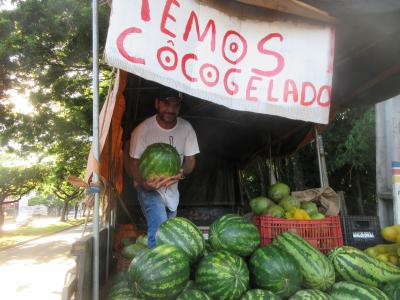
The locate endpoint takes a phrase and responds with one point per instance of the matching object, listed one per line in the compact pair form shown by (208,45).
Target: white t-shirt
(182,137)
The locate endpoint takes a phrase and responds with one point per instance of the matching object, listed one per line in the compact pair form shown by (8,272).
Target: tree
(46,48)
(16,182)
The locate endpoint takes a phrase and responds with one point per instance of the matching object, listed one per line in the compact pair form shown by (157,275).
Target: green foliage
(18,181)
(45,48)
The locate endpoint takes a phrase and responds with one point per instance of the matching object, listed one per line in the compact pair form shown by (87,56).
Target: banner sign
(259,63)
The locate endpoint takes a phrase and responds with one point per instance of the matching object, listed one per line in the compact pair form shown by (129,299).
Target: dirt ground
(37,269)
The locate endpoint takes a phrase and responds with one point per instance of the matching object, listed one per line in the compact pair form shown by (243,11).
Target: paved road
(36,270)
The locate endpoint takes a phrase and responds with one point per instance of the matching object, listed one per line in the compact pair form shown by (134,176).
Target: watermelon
(275,270)
(159,273)
(289,202)
(193,294)
(317,216)
(159,159)
(184,235)
(258,294)
(392,289)
(311,294)
(126,241)
(344,290)
(310,207)
(275,211)
(277,191)
(259,205)
(207,247)
(355,265)
(132,250)
(234,234)
(317,270)
(222,275)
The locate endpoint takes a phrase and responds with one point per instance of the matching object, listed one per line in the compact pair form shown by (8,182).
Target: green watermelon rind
(275,270)
(193,294)
(318,272)
(185,235)
(159,273)
(222,275)
(159,159)
(352,290)
(311,294)
(235,234)
(355,265)
(257,294)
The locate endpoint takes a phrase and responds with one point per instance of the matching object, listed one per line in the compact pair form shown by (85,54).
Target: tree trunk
(261,176)
(1,217)
(64,215)
(76,210)
(297,172)
(359,194)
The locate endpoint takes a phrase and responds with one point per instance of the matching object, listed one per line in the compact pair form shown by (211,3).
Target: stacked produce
(232,265)
(388,252)
(281,204)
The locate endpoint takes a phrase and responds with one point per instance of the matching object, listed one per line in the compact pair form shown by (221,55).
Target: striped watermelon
(392,289)
(258,294)
(159,273)
(344,290)
(317,270)
(159,159)
(234,234)
(275,270)
(355,265)
(193,294)
(184,235)
(222,275)
(310,294)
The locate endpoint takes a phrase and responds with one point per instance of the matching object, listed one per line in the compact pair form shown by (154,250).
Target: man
(159,197)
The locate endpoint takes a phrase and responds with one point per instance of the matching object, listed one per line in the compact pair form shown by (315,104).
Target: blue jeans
(155,212)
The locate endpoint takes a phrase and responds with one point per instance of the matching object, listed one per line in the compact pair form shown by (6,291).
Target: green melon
(159,273)
(392,289)
(275,270)
(311,294)
(259,205)
(132,250)
(193,294)
(318,272)
(127,241)
(258,294)
(184,235)
(234,234)
(142,239)
(159,159)
(277,191)
(275,211)
(344,290)
(222,275)
(310,207)
(289,202)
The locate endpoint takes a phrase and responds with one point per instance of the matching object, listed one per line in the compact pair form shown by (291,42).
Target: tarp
(366,70)
(237,57)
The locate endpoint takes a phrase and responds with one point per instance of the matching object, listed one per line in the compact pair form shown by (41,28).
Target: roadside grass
(26,233)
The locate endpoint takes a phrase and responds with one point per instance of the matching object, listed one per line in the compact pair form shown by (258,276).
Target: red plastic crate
(322,234)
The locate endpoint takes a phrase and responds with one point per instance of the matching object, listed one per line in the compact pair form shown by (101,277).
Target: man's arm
(188,165)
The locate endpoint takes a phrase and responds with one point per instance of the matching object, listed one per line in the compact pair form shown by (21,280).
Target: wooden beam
(293,7)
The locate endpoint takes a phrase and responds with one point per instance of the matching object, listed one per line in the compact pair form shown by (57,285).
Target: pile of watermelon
(281,204)
(231,265)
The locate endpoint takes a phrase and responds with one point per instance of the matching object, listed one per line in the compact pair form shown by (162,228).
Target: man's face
(168,110)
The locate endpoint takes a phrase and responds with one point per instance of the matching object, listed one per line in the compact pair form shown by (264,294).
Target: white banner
(259,64)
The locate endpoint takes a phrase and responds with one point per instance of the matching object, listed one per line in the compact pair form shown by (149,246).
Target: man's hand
(168,181)
(154,183)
